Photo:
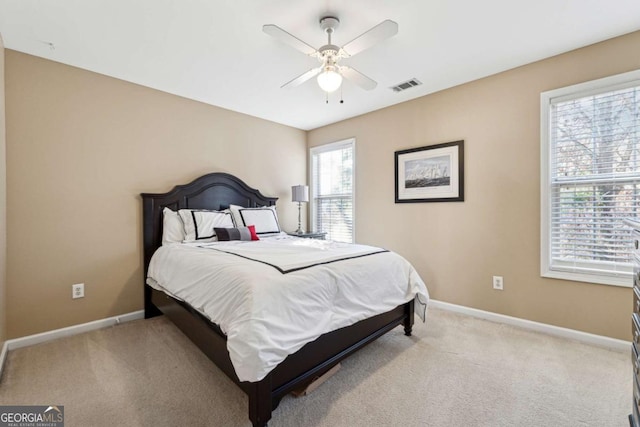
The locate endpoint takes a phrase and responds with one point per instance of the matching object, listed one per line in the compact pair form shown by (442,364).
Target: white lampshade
(329,80)
(300,193)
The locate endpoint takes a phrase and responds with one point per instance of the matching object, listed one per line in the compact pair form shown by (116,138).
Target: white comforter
(270,297)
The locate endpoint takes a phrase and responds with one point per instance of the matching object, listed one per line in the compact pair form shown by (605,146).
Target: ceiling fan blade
(302,78)
(291,40)
(358,78)
(382,31)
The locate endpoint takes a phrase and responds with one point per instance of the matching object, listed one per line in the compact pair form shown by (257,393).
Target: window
(332,190)
(590,173)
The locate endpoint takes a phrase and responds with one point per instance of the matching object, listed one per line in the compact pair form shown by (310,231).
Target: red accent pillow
(252,230)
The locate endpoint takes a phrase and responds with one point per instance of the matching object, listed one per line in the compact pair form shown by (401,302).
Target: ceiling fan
(330,73)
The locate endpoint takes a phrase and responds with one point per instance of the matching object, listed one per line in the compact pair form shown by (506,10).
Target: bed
(219,191)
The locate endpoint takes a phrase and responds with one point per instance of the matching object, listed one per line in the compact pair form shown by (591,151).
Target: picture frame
(433,173)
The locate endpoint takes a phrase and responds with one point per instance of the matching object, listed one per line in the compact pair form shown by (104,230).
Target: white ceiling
(215,52)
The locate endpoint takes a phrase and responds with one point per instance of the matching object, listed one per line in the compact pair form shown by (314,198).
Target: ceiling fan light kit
(330,73)
(329,79)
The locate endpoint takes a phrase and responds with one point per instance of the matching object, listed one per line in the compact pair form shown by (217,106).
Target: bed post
(260,401)
(150,310)
(408,320)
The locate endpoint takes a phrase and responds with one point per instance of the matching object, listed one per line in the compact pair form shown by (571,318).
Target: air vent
(406,85)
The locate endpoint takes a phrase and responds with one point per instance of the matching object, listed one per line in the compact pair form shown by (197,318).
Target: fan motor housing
(329,49)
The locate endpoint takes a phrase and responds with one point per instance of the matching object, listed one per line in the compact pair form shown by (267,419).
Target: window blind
(332,180)
(594,180)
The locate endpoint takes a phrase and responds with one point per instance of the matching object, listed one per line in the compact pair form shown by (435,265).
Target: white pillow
(172,228)
(199,224)
(235,212)
(265,219)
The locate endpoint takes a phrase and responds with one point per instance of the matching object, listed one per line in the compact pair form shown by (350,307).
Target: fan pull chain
(326,94)
(341,100)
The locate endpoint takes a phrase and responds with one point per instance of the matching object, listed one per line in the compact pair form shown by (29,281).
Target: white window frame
(621,278)
(312,196)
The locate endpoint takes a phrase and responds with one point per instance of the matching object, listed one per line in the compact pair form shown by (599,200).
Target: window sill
(620,281)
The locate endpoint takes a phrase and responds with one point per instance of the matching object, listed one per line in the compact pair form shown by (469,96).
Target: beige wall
(80,149)
(457,247)
(3,204)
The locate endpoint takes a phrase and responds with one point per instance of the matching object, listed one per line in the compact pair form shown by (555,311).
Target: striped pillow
(239,233)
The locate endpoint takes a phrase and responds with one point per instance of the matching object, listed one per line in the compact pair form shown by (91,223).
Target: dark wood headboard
(213,191)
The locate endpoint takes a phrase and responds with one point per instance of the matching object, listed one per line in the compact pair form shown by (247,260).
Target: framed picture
(434,173)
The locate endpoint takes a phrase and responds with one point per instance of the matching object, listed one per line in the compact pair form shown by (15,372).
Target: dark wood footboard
(311,361)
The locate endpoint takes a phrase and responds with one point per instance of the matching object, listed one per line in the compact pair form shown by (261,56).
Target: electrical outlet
(77,290)
(498,283)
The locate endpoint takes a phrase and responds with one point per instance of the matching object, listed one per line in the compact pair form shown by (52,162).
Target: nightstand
(310,235)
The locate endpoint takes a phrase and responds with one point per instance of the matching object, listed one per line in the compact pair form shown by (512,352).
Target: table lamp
(300,194)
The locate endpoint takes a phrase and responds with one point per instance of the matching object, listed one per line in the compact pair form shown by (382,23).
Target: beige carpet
(455,370)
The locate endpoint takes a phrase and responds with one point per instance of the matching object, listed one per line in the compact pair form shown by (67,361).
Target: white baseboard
(66,332)
(599,340)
